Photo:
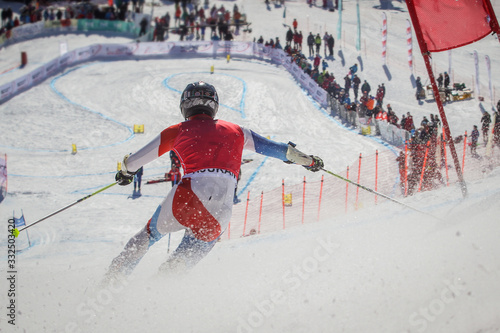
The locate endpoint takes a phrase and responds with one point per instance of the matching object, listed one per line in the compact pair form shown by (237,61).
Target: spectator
(408,124)
(144,24)
(331,44)
(473,145)
(353,70)
(356,81)
(420,94)
(277,45)
(310,43)
(316,61)
(485,121)
(380,96)
(325,42)
(347,84)
(289,36)
(446,80)
(440,80)
(295,24)
(317,42)
(365,88)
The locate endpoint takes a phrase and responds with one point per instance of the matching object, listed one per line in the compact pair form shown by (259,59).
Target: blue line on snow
(52,85)
(252,177)
(242,102)
(61,95)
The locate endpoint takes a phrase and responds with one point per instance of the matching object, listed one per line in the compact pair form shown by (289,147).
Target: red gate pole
(320,194)
(465,150)
(423,167)
(246,213)
(359,176)
(446,160)
(260,210)
(376,174)
(406,169)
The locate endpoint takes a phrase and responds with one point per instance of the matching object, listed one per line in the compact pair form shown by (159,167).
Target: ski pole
(16,231)
(378,193)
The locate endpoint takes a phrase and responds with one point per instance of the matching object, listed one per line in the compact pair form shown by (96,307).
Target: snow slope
(383,269)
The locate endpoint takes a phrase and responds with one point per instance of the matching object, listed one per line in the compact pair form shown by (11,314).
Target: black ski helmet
(199,97)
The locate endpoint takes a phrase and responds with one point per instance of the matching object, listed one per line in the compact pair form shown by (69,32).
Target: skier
(201,204)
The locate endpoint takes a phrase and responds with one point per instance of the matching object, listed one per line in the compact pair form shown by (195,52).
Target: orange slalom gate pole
(303,199)
(260,210)
(423,167)
(376,174)
(246,213)
(406,169)
(465,151)
(359,177)
(445,160)
(346,190)
(320,194)
(378,193)
(283,200)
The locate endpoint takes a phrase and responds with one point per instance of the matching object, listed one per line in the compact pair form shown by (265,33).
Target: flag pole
(495,27)
(16,231)
(426,55)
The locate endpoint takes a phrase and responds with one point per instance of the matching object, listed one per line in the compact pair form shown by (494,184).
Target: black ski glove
(316,165)
(124,178)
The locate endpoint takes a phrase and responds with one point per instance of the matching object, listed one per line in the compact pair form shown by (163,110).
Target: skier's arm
(285,152)
(155,148)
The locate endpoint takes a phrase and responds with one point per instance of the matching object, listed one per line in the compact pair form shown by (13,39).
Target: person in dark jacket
(331,44)
(310,43)
(365,88)
(356,81)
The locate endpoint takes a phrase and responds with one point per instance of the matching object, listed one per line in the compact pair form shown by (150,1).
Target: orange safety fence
(305,202)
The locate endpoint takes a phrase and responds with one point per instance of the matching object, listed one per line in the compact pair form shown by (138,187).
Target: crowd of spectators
(123,10)
(425,145)
(192,20)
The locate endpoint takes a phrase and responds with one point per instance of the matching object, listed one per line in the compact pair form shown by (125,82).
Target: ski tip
(15,232)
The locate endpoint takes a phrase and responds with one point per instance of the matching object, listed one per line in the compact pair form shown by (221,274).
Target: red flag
(448,24)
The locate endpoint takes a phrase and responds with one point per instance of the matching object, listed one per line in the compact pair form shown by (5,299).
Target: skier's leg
(138,245)
(204,206)
(189,252)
